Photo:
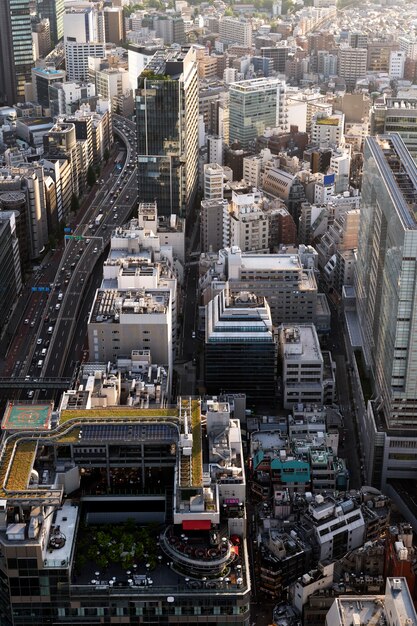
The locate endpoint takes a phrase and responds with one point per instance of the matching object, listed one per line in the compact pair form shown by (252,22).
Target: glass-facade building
(53,10)
(254,106)
(386,275)
(16,50)
(240,350)
(167,130)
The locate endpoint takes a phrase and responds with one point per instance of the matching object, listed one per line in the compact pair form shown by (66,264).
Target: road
(53,340)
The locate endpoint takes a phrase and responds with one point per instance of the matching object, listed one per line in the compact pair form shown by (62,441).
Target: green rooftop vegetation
(118,413)
(328,121)
(122,544)
(197,457)
(21,466)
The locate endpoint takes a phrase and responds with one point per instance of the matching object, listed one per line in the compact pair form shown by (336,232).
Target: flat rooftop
(110,304)
(400,174)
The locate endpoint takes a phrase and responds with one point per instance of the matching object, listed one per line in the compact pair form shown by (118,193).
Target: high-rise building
(16,50)
(240,349)
(396,115)
(53,10)
(235,31)
(255,105)
(83,38)
(352,64)
(113,24)
(10,272)
(385,288)
(42,78)
(167,129)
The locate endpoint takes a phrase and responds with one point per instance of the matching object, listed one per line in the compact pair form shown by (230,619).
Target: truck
(98,219)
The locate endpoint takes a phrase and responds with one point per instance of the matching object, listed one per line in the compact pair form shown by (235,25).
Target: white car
(95,250)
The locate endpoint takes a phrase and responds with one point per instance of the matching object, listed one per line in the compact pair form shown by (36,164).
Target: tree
(75,204)
(91,176)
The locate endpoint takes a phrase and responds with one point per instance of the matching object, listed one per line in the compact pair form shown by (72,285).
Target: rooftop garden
(125,544)
(328,121)
(197,457)
(118,413)
(21,465)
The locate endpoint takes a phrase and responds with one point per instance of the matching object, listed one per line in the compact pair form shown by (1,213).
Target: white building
(252,169)
(396,63)
(302,365)
(213,181)
(76,57)
(327,130)
(289,288)
(395,608)
(338,527)
(233,31)
(408,44)
(249,225)
(215,149)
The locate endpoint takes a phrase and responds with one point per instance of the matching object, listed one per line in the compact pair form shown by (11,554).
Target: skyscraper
(255,105)
(167,128)
(386,283)
(16,51)
(54,11)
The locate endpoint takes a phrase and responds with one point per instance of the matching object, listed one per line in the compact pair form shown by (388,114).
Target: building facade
(167,130)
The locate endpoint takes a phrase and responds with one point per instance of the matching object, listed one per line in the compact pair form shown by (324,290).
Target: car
(39,341)
(32,324)
(57,306)
(30,393)
(193,334)
(26,322)
(87,240)
(115,216)
(95,250)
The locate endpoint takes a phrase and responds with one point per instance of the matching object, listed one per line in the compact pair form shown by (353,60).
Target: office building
(254,106)
(144,470)
(396,607)
(16,50)
(41,35)
(352,63)
(42,78)
(308,375)
(289,288)
(278,55)
(76,58)
(385,282)
(214,225)
(249,224)
(379,53)
(65,98)
(10,268)
(213,181)
(338,526)
(83,37)
(234,31)
(167,131)
(396,115)
(240,350)
(113,25)
(397,64)
(170,29)
(408,44)
(53,10)
(327,130)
